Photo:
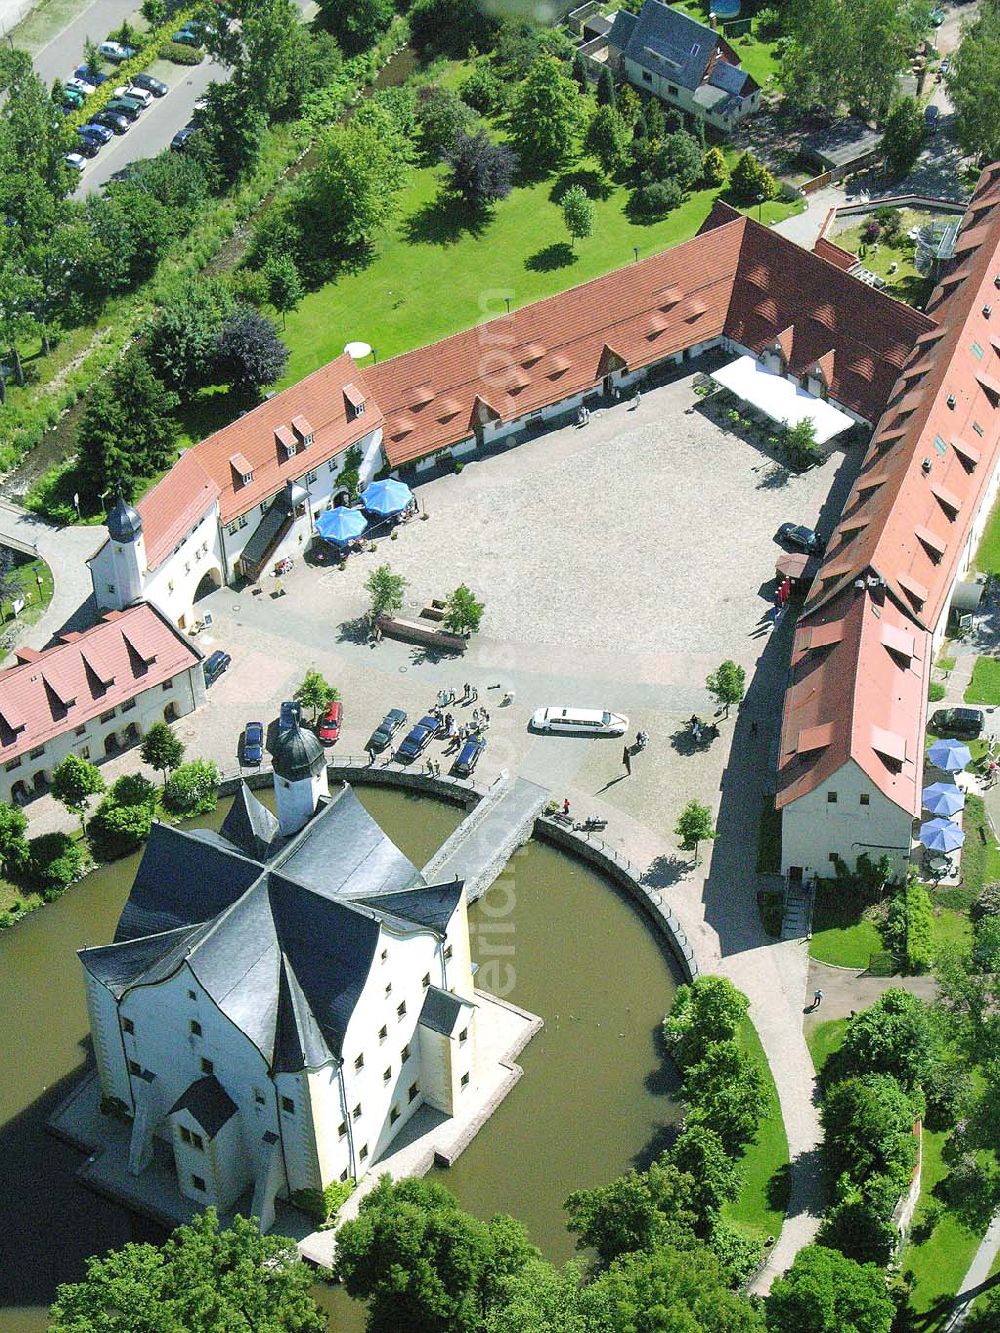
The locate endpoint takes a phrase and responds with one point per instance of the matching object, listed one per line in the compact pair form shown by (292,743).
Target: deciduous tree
(356,24)
(385,590)
(463,614)
(480,171)
(13,840)
(974,68)
(315,692)
(546,118)
(824,1292)
(162,749)
(250,353)
(694,826)
(284,286)
(74,782)
(893,1036)
(711,1009)
(868,1123)
(727,683)
(903,136)
(609,138)
(578,212)
(182,342)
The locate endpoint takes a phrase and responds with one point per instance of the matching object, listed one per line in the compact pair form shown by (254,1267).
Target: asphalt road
(60,57)
(156,126)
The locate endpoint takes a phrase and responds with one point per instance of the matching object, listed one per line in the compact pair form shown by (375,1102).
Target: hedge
(148,51)
(179,54)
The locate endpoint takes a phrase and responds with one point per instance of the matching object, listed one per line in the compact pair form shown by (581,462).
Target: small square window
(359,1063)
(80,731)
(404,1054)
(977,428)
(185,1134)
(387,1074)
(831,856)
(463,1036)
(385,955)
(192,995)
(383,1033)
(168,684)
(447,952)
(401,1009)
(356,1113)
(134,1068)
(864,799)
(37,752)
(363,1154)
(831,798)
(426,981)
(199,1183)
(195,1027)
(414,1091)
(342,1129)
(198,1142)
(128,1026)
(259,1097)
(465,1080)
(388,989)
(207,1066)
(288,1106)
(343,1175)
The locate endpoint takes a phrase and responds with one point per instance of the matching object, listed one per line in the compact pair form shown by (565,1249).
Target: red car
(328,727)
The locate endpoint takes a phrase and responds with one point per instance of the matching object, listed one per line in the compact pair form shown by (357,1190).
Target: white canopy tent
(780,399)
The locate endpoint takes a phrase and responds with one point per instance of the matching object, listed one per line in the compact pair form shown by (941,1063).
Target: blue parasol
(943,798)
(341,525)
(941,835)
(950,755)
(386,497)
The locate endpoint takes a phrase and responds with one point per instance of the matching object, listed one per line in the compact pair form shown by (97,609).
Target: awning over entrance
(781,400)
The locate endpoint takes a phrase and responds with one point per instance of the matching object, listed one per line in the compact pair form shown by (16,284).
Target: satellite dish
(358,351)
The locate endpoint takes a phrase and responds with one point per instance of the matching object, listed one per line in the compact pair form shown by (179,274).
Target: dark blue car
(386,729)
(86,76)
(468,756)
(253,743)
(289,716)
(418,739)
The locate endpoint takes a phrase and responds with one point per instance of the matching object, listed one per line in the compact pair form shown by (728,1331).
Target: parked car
(418,740)
(468,756)
(579,721)
(386,729)
(137,94)
(937,17)
(85,75)
(150,85)
(932,116)
(72,97)
(289,716)
(75,160)
(185,37)
(963,723)
(328,727)
(253,743)
(99,133)
(215,665)
(800,538)
(116,53)
(944,66)
(110,120)
(80,86)
(135,103)
(85,146)
(124,106)
(180,140)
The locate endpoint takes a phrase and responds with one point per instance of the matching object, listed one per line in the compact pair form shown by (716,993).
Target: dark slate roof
(731,78)
(430,905)
(182,879)
(120,966)
(298,1041)
(207,1102)
(250,826)
(297,754)
(343,853)
(442,1010)
(124,522)
(330,946)
(668,42)
(622,29)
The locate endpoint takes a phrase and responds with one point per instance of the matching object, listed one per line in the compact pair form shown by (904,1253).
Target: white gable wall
(813,827)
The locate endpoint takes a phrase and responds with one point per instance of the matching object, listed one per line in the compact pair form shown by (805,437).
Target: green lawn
(823,1039)
(939,1264)
(433,275)
(980,861)
(988,555)
(760,1209)
(984,688)
(906,284)
(842,935)
(769,839)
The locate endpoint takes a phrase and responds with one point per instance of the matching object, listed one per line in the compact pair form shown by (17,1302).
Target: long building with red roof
(850,768)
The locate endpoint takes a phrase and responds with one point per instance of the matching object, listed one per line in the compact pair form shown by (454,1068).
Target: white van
(579,721)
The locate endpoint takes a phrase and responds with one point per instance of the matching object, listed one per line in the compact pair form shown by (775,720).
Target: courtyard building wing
(207,1103)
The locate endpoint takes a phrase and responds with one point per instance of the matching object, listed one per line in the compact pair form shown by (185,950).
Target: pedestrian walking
(473,694)
(475,715)
(565,805)
(817,998)
(627,760)
(485,716)
(370,749)
(466,688)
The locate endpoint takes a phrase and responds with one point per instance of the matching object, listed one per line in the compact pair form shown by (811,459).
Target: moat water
(551,936)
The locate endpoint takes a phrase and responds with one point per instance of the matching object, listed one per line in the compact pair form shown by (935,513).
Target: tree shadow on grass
(444,220)
(596,185)
(558,255)
(779,1188)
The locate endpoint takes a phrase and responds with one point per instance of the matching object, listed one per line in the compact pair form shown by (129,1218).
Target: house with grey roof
(687,64)
(281,996)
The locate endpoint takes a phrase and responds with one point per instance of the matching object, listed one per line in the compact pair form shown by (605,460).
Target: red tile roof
(907,522)
(86,674)
(174,506)
(833,254)
(859,676)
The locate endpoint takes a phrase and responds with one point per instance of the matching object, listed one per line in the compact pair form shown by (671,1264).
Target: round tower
(128,552)
(299,778)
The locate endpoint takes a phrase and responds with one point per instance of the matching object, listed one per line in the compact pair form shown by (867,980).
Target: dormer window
(242,468)
(354,401)
(285,439)
(304,432)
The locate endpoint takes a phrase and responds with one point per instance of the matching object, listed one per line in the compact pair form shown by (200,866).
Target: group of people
(445,697)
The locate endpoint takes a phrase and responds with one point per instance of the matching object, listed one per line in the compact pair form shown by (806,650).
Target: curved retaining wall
(621,872)
(596,853)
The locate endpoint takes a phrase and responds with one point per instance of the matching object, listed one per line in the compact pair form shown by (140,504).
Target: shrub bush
(192,789)
(657,199)
(987,902)
(179,54)
(482,90)
(908,929)
(767,24)
(120,826)
(871,231)
(55,861)
(935,692)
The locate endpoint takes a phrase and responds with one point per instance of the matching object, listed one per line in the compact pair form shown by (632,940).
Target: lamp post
(635,249)
(760,205)
(506,301)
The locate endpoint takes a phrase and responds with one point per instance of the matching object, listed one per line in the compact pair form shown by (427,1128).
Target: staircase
(270,532)
(796,923)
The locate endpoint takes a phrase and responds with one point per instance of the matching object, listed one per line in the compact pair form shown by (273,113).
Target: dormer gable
(354,401)
(242,469)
